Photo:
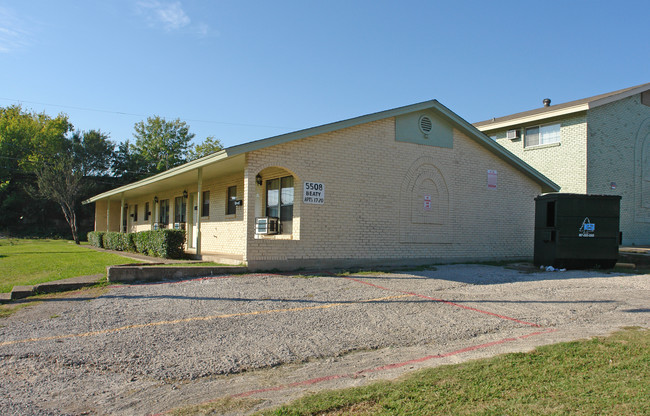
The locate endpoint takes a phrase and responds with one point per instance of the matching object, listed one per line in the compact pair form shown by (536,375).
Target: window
(146,211)
(135,213)
(163,219)
(180,206)
(279,198)
(205,204)
(539,135)
(231,209)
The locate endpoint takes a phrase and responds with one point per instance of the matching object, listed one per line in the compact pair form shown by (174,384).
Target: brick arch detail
(424,204)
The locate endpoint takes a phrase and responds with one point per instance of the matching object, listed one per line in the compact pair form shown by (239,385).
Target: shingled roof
(560,109)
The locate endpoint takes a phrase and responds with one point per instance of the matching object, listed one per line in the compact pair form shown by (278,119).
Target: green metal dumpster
(577,231)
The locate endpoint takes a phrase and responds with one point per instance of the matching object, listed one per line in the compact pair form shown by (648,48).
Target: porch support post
(199,203)
(122,215)
(108,215)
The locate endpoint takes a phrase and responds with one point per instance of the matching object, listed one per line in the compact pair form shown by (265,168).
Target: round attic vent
(425,124)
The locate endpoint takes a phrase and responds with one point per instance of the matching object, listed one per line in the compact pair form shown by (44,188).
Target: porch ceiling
(179,178)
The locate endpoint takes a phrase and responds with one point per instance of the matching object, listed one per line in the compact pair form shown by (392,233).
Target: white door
(194,213)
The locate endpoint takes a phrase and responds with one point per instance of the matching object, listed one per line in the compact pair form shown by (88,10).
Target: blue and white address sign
(313,193)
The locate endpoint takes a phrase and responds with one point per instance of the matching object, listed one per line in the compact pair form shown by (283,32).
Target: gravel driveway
(142,349)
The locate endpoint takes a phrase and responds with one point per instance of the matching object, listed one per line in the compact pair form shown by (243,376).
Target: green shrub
(161,243)
(144,243)
(171,246)
(111,239)
(129,241)
(96,238)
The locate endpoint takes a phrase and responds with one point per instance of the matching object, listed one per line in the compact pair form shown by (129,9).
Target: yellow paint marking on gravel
(194,319)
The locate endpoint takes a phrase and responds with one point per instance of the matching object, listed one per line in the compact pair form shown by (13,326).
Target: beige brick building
(597,145)
(411,185)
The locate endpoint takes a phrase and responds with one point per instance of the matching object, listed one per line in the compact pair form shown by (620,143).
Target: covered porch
(205,198)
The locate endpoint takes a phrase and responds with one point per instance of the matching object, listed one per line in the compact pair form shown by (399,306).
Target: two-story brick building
(415,184)
(596,145)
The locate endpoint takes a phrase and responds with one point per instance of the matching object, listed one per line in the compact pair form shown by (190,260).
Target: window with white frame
(279,201)
(539,135)
(205,204)
(180,206)
(163,218)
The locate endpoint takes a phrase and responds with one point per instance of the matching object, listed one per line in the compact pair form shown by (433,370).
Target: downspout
(199,203)
(108,215)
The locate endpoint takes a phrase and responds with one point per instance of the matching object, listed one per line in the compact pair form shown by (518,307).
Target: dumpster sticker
(587,228)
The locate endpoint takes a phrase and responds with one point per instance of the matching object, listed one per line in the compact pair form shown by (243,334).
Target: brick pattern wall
(618,133)
(220,233)
(364,171)
(564,163)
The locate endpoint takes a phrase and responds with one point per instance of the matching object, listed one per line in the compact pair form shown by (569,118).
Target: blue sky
(245,70)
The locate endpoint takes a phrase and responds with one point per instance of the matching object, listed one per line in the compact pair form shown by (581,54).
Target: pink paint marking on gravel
(446,302)
(388,366)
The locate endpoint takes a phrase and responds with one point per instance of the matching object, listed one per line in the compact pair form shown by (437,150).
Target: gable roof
(560,109)
(232,158)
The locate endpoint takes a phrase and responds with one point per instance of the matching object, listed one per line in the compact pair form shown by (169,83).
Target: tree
(162,144)
(93,152)
(26,139)
(64,176)
(127,165)
(209,146)
(61,180)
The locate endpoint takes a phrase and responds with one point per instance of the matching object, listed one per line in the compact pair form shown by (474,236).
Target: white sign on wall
(313,193)
(492,179)
(427,202)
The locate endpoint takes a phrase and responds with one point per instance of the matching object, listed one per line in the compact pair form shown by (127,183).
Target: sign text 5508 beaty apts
(313,193)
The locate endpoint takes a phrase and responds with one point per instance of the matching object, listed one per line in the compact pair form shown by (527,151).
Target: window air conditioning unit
(266,225)
(514,134)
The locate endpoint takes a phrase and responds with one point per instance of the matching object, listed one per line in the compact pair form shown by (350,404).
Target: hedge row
(160,243)
(96,238)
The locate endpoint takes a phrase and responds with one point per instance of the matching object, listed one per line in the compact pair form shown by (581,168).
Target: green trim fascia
(456,120)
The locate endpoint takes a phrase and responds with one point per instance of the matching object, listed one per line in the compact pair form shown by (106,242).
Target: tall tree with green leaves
(63,177)
(61,180)
(162,144)
(210,145)
(26,140)
(93,152)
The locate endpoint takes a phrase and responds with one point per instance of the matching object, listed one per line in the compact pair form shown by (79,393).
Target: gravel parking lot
(142,349)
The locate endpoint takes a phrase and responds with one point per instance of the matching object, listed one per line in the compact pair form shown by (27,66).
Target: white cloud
(12,34)
(169,14)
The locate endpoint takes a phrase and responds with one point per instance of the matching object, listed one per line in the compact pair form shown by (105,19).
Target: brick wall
(619,144)
(565,163)
(369,201)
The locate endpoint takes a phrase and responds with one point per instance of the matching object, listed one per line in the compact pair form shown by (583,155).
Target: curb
(22,292)
(140,273)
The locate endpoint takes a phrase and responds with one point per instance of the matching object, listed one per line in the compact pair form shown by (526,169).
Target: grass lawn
(601,376)
(28,262)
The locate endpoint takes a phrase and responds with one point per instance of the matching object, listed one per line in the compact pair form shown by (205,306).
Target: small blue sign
(590,227)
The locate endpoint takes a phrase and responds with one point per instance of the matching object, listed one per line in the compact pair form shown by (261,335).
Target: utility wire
(122,113)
